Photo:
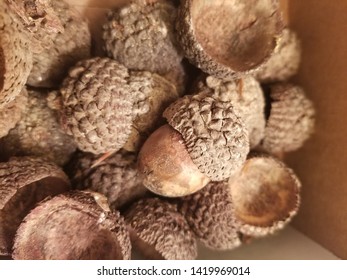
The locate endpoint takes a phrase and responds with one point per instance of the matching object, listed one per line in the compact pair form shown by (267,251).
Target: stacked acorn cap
(165,157)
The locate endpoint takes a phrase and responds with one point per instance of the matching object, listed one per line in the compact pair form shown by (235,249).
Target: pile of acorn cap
(158,154)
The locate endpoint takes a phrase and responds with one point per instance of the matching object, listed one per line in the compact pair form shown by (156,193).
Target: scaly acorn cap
(246,94)
(159,231)
(38,133)
(210,215)
(73,226)
(23,183)
(154,94)
(15,56)
(265,195)
(141,36)
(231,38)
(213,132)
(291,121)
(285,61)
(12,113)
(98,105)
(116,177)
(63,49)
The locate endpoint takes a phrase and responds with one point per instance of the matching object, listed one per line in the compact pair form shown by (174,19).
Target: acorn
(285,61)
(291,120)
(15,56)
(246,94)
(210,215)
(140,35)
(23,183)
(159,231)
(38,133)
(227,39)
(63,49)
(72,226)
(265,195)
(115,177)
(11,114)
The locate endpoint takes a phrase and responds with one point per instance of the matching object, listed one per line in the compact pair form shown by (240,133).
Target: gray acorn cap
(159,231)
(73,226)
(23,183)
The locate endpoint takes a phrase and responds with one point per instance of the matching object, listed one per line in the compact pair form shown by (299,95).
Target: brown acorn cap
(141,36)
(291,120)
(67,48)
(246,94)
(73,226)
(116,177)
(285,61)
(11,114)
(154,94)
(23,183)
(98,105)
(38,133)
(213,132)
(15,56)
(210,215)
(265,195)
(159,231)
(228,38)
(166,167)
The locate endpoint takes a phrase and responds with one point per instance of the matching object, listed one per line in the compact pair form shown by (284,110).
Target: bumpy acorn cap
(166,167)
(154,94)
(291,120)
(98,105)
(23,183)
(116,177)
(141,36)
(67,48)
(213,132)
(15,56)
(246,94)
(11,114)
(38,133)
(72,226)
(228,38)
(265,195)
(285,61)
(159,231)
(210,214)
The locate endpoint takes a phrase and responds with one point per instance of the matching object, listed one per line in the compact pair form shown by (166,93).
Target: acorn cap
(210,215)
(285,61)
(15,56)
(11,114)
(291,120)
(38,133)
(116,177)
(228,38)
(246,94)
(166,167)
(66,49)
(141,36)
(159,231)
(154,94)
(213,132)
(98,105)
(23,183)
(72,226)
(265,195)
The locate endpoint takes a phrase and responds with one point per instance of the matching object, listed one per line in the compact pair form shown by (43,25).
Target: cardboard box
(320,165)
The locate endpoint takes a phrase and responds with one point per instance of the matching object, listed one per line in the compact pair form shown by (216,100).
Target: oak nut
(23,183)
(159,231)
(72,226)
(228,38)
